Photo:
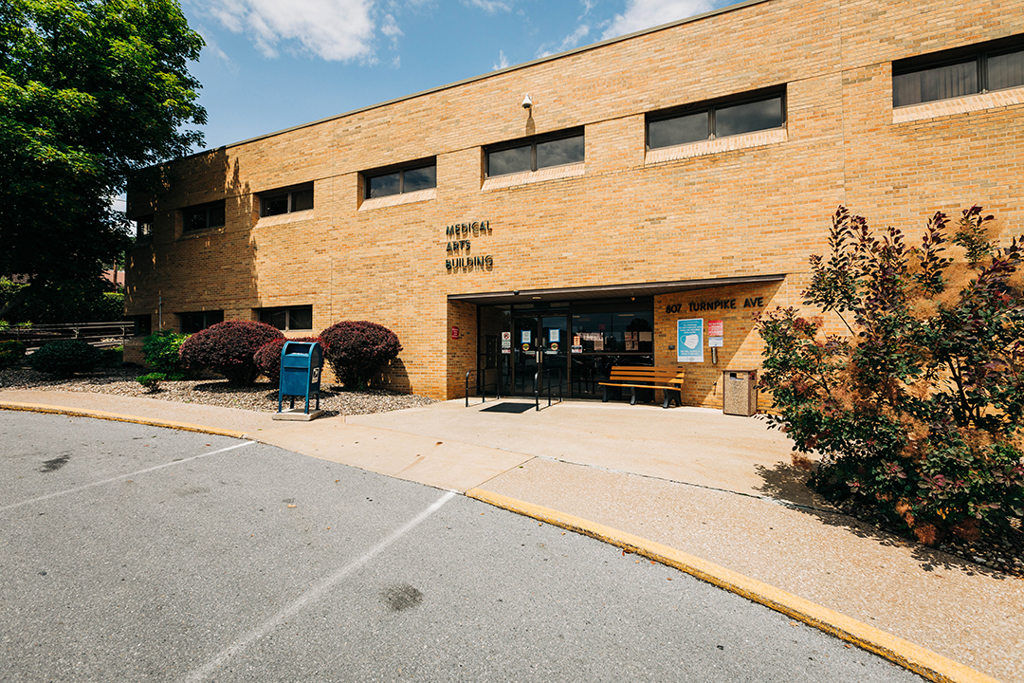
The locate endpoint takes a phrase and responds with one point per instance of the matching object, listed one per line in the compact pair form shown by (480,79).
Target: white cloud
(335,30)
(490,6)
(641,14)
(568,43)
(502,61)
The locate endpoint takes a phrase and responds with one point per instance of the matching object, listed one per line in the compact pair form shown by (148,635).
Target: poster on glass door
(690,340)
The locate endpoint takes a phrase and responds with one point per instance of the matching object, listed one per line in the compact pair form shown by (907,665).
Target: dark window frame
(532,141)
(206,208)
(401,169)
(206,319)
(711,106)
(142,324)
(979,53)
(289,192)
(262,313)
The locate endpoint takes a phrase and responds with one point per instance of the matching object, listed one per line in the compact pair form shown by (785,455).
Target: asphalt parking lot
(133,552)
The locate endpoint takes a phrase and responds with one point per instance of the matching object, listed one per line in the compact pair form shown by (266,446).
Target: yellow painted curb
(101,415)
(920,660)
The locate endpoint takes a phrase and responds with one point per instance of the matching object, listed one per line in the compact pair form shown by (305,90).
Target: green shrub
(917,413)
(162,351)
(64,358)
(357,351)
(151,380)
(228,348)
(112,357)
(11,353)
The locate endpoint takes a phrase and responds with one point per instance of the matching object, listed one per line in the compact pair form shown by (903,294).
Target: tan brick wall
(759,209)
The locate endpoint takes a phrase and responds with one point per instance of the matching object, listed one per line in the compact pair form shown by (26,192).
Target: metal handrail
(482,387)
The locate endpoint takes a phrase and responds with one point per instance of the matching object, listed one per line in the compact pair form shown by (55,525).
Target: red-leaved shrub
(227,348)
(358,350)
(268,356)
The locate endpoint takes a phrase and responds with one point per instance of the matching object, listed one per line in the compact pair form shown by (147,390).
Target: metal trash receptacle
(739,392)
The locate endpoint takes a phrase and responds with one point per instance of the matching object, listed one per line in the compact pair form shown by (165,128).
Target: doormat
(509,408)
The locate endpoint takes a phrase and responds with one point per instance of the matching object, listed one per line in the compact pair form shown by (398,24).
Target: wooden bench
(668,379)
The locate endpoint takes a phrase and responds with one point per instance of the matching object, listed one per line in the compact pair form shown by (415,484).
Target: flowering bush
(268,357)
(917,411)
(357,351)
(227,348)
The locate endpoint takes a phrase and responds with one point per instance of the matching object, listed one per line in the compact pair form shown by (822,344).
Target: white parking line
(76,489)
(313,593)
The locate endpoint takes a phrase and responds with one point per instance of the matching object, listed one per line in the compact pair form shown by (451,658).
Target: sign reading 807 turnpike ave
(690,340)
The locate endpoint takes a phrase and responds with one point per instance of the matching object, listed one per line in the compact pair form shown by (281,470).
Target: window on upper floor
(286,200)
(735,115)
(400,179)
(202,216)
(954,73)
(287,317)
(191,322)
(144,228)
(531,154)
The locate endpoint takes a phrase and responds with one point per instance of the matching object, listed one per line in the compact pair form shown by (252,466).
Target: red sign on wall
(716,328)
(455,332)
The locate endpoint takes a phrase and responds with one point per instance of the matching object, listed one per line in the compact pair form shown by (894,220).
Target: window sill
(539,176)
(205,232)
(280,218)
(958,105)
(398,199)
(716,146)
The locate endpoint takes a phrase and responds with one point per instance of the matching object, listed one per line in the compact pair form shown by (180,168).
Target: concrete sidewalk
(712,486)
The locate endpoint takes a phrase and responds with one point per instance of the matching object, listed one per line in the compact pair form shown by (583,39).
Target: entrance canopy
(522,296)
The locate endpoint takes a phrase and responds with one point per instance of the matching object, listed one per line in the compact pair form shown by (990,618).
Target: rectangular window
(955,73)
(735,115)
(410,177)
(531,154)
(203,216)
(192,321)
(288,317)
(144,228)
(286,200)
(142,325)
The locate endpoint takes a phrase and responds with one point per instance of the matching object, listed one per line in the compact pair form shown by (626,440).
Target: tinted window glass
(383,185)
(748,117)
(560,152)
(275,204)
(194,219)
(278,317)
(938,83)
(302,200)
(1006,71)
(678,130)
(509,161)
(216,215)
(420,179)
(301,318)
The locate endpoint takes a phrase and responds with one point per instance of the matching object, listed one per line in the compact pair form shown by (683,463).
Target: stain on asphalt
(401,597)
(56,463)
(191,491)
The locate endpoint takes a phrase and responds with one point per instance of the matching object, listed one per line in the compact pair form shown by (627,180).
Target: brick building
(683,172)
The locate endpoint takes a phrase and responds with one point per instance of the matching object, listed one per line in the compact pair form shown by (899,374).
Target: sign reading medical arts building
(459,247)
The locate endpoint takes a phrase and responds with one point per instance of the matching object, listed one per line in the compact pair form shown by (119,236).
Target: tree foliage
(917,410)
(89,91)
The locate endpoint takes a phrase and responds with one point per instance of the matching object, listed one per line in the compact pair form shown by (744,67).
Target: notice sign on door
(690,340)
(506,342)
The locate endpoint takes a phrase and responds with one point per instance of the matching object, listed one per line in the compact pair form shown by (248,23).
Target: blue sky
(272,64)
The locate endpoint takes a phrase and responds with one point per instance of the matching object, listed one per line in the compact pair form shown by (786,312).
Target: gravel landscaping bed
(215,392)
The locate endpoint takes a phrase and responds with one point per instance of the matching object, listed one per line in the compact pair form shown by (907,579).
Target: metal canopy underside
(523,296)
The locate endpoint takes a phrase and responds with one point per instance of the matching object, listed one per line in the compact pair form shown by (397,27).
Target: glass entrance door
(540,344)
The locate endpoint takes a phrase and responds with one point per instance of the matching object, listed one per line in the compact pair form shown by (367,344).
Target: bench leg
(632,397)
(604,395)
(668,399)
